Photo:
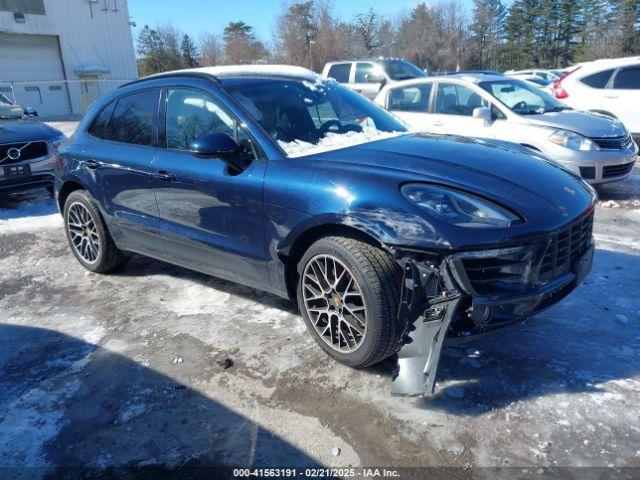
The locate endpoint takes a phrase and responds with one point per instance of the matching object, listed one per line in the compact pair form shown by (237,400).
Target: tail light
(558,89)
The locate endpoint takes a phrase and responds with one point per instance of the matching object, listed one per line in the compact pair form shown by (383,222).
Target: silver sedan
(596,147)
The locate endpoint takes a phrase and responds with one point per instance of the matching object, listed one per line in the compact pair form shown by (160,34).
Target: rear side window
(100,126)
(628,78)
(597,80)
(340,72)
(134,118)
(414,98)
(191,114)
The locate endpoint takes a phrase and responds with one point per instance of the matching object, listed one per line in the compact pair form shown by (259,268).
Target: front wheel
(348,294)
(88,236)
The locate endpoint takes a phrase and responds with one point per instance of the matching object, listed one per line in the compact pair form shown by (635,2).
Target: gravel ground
(130,370)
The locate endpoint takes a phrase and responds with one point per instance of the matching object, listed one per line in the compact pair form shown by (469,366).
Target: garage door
(33,64)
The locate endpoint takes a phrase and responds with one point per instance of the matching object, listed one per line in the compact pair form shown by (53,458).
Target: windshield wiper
(559,108)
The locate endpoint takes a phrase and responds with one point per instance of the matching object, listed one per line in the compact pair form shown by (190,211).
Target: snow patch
(610,204)
(335,141)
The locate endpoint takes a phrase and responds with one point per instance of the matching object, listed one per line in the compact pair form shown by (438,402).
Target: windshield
(401,69)
(4,100)
(303,116)
(523,99)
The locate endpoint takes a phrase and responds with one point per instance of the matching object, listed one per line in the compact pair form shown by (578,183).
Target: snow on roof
(257,71)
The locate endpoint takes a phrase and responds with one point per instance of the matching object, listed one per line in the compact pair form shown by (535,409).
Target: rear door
(340,72)
(118,159)
(622,97)
(211,218)
(411,104)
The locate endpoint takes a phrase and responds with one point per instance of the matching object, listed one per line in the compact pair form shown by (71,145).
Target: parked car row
(274,177)
(593,146)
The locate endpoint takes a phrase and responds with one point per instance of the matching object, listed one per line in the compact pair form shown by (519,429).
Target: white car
(368,76)
(596,147)
(535,81)
(611,87)
(549,75)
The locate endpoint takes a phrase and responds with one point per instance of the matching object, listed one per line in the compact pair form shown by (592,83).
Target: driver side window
(191,114)
(453,99)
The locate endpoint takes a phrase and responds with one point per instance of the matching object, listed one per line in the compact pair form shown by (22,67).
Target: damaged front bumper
(448,296)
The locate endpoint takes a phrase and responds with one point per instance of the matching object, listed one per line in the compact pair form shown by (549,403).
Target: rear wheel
(348,294)
(88,236)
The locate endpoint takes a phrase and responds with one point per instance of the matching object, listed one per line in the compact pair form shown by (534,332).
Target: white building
(58,56)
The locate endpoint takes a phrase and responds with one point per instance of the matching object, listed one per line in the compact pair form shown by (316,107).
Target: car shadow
(90,412)
(143,266)
(589,338)
(34,203)
(627,189)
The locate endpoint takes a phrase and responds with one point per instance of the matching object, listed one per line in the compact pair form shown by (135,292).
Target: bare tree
(365,28)
(211,50)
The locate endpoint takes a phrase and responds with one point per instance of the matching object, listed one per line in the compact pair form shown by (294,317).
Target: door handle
(92,164)
(164,176)
(437,123)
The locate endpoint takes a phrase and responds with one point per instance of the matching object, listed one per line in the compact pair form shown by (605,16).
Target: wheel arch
(68,187)
(291,255)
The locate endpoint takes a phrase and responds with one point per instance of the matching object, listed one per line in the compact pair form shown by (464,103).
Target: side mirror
(219,145)
(374,78)
(483,113)
(30,112)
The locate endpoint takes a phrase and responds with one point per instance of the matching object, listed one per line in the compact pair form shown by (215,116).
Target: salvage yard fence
(64,100)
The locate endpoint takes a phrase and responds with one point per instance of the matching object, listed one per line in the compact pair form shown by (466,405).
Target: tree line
(442,36)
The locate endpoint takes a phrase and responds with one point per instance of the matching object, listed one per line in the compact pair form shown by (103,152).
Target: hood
(546,195)
(587,124)
(26,130)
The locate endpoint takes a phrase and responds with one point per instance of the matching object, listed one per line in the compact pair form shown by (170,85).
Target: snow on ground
(130,369)
(335,141)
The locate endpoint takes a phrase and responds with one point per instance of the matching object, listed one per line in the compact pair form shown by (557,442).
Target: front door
(367,79)
(211,217)
(453,112)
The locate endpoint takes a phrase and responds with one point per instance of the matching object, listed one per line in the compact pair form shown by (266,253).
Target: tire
(376,275)
(81,215)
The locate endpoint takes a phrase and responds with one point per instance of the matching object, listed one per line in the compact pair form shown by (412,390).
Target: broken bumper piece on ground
(462,295)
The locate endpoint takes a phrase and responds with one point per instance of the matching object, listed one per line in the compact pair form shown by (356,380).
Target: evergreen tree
(487,32)
(189,52)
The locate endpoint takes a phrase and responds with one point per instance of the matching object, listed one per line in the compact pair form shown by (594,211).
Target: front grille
(565,247)
(614,143)
(520,268)
(611,171)
(33,179)
(27,151)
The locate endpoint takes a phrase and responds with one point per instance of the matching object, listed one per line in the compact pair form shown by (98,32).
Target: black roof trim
(200,75)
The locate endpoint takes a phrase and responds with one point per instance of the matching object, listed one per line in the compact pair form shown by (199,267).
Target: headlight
(458,208)
(572,140)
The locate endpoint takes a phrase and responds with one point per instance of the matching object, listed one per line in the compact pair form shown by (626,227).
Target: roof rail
(201,75)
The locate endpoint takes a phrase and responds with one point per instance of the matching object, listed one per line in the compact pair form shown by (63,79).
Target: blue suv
(273,177)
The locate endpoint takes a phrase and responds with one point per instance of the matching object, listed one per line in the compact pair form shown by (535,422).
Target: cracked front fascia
(429,300)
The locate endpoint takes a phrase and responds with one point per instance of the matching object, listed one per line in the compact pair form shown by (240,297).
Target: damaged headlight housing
(459,208)
(572,140)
